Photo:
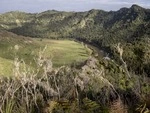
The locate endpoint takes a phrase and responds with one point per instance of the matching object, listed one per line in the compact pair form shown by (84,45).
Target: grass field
(64,52)
(61,52)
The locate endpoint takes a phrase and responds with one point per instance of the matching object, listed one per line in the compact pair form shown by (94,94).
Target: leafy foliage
(120,78)
(129,26)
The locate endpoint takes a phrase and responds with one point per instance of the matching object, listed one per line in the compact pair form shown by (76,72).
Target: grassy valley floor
(61,52)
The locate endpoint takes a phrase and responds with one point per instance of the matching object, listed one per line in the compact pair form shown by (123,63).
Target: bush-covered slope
(128,26)
(115,83)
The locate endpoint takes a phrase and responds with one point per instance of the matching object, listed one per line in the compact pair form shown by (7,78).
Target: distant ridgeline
(128,26)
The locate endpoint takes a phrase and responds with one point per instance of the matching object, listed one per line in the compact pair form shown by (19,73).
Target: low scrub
(90,88)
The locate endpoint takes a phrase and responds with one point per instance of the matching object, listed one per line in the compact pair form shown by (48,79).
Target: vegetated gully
(96,51)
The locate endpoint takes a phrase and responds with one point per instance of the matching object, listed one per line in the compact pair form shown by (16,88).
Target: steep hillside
(117,82)
(14,19)
(128,26)
(13,46)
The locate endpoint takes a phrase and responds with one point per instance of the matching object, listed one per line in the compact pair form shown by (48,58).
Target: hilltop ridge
(116,82)
(129,26)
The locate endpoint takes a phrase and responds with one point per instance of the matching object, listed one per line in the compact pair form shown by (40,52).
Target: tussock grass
(47,88)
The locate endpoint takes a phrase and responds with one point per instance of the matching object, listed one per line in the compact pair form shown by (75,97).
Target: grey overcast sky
(67,5)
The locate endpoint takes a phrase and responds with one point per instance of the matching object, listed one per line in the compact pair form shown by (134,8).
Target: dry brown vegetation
(81,89)
(30,91)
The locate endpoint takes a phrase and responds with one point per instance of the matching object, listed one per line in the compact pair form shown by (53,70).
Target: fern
(90,106)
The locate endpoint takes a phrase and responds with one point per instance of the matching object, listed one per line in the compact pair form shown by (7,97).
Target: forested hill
(118,82)
(125,22)
(128,26)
